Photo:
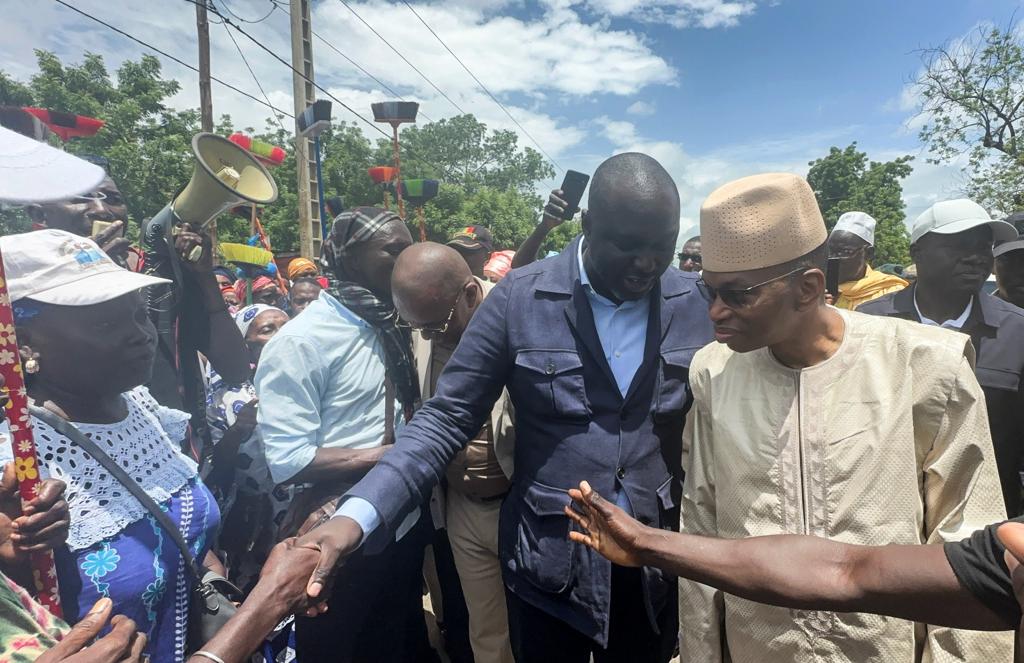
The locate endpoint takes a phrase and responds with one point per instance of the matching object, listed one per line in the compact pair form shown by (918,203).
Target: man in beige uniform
(812,420)
(436,294)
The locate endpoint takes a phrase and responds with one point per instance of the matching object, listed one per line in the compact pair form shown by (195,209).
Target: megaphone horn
(225,175)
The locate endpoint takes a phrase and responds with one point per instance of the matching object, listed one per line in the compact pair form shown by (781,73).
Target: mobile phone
(573,186)
(832,277)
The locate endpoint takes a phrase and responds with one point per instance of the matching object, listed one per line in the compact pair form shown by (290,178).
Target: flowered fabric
(146,444)
(27,629)
(142,572)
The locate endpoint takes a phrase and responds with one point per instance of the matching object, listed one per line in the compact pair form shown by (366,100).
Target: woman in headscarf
(252,505)
(264,291)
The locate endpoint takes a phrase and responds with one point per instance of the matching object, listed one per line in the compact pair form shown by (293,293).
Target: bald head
(633,181)
(427,284)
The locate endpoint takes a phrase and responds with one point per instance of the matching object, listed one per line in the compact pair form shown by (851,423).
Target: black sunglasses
(736,298)
(683,257)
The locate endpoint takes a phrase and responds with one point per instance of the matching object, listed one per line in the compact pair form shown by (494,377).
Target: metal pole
(320,189)
(398,170)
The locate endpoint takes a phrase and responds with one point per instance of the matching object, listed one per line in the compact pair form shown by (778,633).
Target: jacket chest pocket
(997,378)
(552,382)
(674,387)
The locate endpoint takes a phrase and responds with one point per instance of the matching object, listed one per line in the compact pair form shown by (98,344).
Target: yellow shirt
(885,442)
(874,284)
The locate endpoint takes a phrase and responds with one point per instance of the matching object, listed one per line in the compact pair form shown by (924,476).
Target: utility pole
(205,96)
(305,156)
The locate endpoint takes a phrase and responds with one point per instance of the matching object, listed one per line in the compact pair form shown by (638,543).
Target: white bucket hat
(34,172)
(57,267)
(956,216)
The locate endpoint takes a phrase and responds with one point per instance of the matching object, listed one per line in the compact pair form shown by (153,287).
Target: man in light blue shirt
(333,387)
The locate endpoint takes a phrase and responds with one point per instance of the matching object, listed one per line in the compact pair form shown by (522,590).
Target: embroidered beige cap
(759,221)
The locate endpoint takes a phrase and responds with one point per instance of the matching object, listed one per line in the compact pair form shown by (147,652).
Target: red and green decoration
(66,125)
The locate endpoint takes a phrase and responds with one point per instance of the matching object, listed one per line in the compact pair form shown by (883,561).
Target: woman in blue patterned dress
(89,345)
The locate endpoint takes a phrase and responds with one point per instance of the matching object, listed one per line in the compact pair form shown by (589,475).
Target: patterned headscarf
(352,228)
(248,314)
(259,283)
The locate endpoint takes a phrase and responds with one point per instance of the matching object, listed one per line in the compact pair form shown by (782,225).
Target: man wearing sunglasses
(689,256)
(853,242)
(436,295)
(809,419)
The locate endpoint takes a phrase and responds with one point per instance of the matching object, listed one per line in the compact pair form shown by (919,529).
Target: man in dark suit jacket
(593,346)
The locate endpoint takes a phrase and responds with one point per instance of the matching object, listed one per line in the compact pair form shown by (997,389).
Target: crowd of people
(594,456)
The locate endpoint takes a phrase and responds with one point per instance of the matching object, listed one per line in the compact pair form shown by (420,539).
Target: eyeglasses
(845,255)
(695,257)
(735,298)
(435,328)
(89,197)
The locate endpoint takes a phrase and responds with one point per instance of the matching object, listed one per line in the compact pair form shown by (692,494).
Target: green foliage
(486,177)
(845,181)
(973,102)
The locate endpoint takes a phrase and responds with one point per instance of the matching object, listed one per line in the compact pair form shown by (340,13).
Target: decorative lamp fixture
(418,193)
(396,113)
(383,176)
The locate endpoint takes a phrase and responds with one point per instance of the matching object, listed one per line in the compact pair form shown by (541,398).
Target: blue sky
(715,89)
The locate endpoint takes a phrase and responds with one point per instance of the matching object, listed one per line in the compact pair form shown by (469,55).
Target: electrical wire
(482,86)
(171,57)
(252,73)
(355,64)
(406,60)
(288,64)
(259,20)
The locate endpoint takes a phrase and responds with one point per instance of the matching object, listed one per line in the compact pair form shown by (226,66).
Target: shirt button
(621,473)
(550,368)
(618,354)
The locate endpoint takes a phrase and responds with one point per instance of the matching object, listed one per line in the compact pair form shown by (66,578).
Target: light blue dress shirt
(622,330)
(321,384)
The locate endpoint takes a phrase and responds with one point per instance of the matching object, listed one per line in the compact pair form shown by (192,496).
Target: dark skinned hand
(187,239)
(113,242)
(245,420)
(606,528)
(286,574)
(1012,536)
(40,524)
(124,644)
(333,541)
(554,210)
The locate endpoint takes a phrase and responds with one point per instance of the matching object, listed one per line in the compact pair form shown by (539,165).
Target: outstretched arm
(528,250)
(803,572)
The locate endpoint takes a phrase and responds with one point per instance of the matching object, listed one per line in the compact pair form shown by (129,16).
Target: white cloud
(642,108)
(538,66)
(679,13)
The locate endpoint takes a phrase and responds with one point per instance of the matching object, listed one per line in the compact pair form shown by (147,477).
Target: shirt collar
(956,323)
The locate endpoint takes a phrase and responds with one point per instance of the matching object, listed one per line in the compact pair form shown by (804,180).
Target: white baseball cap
(860,224)
(955,216)
(57,267)
(34,172)
(1006,247)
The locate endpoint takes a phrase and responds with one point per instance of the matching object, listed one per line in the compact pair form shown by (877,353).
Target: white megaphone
(225,175)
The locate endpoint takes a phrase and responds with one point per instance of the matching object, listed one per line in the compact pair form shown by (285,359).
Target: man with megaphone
(189,313)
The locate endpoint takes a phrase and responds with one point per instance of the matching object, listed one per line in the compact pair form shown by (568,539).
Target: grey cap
(956,216)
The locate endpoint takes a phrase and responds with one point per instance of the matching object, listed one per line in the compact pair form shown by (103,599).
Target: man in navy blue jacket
(594,347)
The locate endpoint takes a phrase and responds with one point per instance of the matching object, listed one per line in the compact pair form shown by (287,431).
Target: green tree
(486,177)
(845,181)
(973,102)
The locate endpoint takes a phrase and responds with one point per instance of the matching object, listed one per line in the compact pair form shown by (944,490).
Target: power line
(259,20)
(171,57)
(288,64)
(355,64)
(255,78)
(482,86)
(406,60)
